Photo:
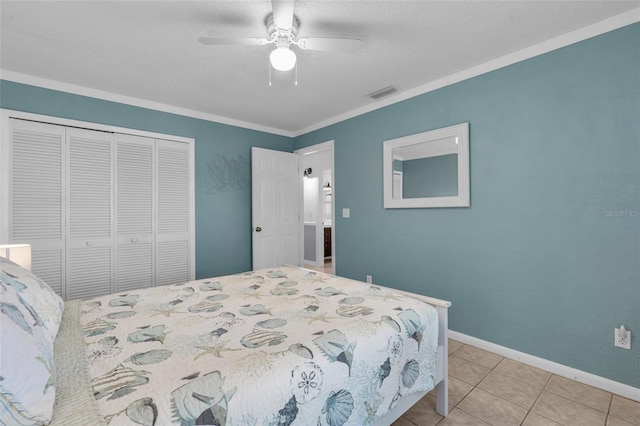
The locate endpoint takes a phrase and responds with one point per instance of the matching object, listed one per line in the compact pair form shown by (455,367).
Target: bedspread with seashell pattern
(284,346)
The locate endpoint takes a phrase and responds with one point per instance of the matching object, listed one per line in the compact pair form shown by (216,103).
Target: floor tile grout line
(536,401)
(578,402)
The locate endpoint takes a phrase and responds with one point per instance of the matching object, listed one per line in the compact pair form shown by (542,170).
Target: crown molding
(584,33)
(129,100)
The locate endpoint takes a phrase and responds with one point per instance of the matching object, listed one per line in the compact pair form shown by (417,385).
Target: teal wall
(222,166)
(547,258)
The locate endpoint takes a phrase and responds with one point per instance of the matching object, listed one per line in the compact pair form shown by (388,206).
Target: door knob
(258,229)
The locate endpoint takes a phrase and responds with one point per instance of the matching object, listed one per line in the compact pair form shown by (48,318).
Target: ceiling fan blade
(345,45)
(282,13)
(244,41)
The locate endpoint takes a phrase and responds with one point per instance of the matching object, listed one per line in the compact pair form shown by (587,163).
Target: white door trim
(324,146)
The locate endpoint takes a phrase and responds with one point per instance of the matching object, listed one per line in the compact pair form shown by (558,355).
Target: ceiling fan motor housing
(281,35)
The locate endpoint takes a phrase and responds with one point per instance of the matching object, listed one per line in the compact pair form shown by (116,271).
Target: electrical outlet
(369,279)
(622,337)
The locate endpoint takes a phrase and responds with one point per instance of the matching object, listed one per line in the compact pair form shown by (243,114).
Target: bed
(284,346)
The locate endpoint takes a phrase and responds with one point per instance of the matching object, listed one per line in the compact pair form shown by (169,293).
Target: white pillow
(27,389)
(30,316)
(43,304)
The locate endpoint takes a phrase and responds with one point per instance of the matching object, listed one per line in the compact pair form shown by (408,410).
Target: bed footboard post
(442,388)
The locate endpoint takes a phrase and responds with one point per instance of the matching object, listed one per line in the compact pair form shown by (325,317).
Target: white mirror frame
(461,133)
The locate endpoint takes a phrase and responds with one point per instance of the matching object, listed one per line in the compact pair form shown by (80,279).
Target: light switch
(346,213)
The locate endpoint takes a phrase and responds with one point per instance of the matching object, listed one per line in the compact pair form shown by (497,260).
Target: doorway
(318,235)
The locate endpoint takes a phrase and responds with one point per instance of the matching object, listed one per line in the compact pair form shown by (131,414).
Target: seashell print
(254,287)
(205,306)
(259,338)
(310,276)
(38,321)
(252,310)
(121,314)
(210,286)
(148,334)
(188,290)
(410,373)
(283,291)
(413,324)
(301,350)
(175,302)
(12,281)
(191,376)
(312,308)
(151,357)
(328,291)
(276,274)
(395,349)
(353,311)
(384,371)
(288,414)
(272,323)
(352,300)
(120,393)
(143,412)
(338,407)
(97,326)
(118,382)
(306,382)
(201,398)
(93,305)
(125,300)
(219,332)
(217,297)
(14,314)
(288,284)
(385,319)
(335,347)
(108,341)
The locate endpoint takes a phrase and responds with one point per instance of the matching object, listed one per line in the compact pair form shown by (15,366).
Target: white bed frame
(442,365)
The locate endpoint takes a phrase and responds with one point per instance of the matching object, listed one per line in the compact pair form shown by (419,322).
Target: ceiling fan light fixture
(282,58)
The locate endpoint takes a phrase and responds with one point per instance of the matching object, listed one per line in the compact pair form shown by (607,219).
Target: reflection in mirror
(429,169)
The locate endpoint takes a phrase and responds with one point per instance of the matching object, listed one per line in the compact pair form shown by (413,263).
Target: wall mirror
(429,169)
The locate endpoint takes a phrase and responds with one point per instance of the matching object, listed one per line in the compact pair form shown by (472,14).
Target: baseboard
(552,367)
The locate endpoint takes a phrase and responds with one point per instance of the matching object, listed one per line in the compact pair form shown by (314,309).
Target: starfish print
(167,311)
(215,350)
(256,294)
(320,279)
(390,296)
(322,317)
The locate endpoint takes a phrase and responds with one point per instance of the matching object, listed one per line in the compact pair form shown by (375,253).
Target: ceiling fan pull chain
(269,64)
(296,83)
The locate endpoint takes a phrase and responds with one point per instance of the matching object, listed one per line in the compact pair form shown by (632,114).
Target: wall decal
(228,173)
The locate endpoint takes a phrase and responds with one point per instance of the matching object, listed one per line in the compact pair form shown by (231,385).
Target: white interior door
(276,202)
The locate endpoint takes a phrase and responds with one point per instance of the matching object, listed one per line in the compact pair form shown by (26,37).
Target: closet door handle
(258,229)
(134,240)
(89,243)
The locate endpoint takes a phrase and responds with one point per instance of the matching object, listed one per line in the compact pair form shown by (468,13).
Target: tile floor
(327,268)
(488,389)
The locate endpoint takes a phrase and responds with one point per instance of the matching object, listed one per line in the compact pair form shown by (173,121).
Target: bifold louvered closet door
(104,212)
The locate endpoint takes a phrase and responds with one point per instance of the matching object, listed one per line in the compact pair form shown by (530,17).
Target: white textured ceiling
(149,49)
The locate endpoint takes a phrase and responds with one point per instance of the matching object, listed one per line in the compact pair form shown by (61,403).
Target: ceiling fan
(282,29)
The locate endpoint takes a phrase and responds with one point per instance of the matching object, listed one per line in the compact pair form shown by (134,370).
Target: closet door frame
(5,164)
